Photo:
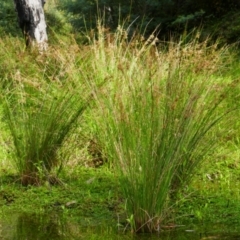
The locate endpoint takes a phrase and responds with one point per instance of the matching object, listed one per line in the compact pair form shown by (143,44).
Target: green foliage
(138,14)
(144,16)
(169,16)
(40,121)
(57,22)
(158,110)
(155,113)
(44,97)
(95,201)
(8,19)
(218,7)
(185,19)
(227,28)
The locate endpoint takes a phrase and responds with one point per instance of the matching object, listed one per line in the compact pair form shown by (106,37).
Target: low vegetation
(161,114)
(163,117)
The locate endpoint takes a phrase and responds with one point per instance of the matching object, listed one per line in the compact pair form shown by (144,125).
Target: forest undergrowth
(139,132)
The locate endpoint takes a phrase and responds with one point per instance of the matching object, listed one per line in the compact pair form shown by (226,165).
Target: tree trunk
(32,22)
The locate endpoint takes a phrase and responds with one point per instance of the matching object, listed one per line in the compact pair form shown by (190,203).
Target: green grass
(160,110)
(39,121)
(96,197)
(163,118)
(213,197)
(43,100)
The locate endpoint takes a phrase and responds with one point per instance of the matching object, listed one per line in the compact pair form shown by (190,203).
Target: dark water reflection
(53,226)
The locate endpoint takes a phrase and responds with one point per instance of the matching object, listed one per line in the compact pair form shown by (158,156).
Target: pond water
(54,226)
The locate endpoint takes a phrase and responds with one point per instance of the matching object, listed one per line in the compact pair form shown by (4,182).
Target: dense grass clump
(157,117)
(39,121)
(42,103)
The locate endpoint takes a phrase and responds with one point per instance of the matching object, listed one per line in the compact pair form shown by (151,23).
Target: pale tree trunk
(32,22)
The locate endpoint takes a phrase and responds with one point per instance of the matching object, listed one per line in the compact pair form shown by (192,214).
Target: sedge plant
(40,116)
(155,115)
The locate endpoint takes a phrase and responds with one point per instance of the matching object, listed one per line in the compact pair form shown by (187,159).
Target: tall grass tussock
(157,116)
(39,123)
(42,105)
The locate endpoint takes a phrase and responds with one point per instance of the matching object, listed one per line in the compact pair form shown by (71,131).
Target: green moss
(88,193)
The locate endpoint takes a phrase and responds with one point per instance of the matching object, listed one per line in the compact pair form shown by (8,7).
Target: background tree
(221,17)
(172,16)
(32,22)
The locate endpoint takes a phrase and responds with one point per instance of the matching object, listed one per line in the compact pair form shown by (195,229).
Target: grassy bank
(87,194)
(161,117)
(92,197)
